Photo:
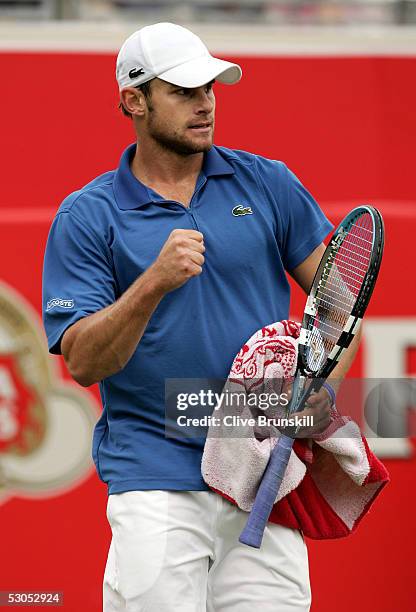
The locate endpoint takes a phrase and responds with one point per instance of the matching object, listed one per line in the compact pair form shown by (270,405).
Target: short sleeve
(301,224)
(305,225)
(78,277)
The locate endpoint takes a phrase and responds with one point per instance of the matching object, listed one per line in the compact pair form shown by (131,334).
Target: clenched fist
(180,258)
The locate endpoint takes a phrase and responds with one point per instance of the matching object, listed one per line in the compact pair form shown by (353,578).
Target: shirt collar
(215,164)
(130,193)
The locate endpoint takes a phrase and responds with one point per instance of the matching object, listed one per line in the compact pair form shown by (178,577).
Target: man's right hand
(179,260)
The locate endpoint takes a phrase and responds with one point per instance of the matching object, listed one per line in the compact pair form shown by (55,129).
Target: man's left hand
(319,407)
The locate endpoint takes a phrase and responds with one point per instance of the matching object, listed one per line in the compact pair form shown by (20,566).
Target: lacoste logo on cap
(240,210)
(135,72)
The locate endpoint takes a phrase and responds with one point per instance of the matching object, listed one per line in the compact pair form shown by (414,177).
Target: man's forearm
(340,370)
(101,344)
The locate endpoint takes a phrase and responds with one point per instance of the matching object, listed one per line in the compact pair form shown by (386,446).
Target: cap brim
(202,70)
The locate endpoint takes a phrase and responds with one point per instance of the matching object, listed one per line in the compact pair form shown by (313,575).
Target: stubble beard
(171,141)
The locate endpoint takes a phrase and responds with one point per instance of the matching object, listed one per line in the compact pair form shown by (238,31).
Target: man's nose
(205,101)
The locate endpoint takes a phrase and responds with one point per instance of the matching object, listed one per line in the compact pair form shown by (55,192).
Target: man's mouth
(203,127)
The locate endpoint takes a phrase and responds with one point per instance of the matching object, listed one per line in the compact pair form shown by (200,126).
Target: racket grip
(252,533)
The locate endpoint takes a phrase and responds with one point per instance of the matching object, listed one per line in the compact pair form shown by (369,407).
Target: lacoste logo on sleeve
(240,210)
(59,302)
(135,72)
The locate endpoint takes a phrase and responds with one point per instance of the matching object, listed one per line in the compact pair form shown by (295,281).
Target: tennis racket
(339,296)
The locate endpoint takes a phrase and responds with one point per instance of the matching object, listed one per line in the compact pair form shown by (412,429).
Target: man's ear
(133,101)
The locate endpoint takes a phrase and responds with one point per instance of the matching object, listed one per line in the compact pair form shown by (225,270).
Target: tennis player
(162,269)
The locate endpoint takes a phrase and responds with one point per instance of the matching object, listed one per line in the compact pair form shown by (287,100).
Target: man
(164,268)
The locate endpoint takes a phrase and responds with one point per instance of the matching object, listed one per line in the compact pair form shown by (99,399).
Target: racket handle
(252,533)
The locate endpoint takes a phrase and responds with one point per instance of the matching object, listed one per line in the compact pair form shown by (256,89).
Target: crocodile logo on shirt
(240,210)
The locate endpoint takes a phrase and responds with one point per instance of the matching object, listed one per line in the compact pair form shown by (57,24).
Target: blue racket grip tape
(252,533)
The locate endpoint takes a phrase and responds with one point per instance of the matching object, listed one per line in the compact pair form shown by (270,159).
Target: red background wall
(347,127)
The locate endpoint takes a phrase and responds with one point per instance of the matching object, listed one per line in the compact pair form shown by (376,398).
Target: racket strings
(339,287)
(360,246)
(351,266)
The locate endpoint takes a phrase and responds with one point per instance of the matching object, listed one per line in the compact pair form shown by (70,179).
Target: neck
(153,164)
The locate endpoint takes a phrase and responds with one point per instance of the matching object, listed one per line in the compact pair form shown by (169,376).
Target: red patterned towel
(330,482)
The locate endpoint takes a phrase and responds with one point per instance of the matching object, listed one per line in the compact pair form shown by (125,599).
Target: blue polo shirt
(110,231)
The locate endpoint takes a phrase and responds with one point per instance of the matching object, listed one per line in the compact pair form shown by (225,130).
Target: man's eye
(182,92)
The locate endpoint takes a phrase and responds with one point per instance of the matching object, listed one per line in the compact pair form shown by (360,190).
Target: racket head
(341,290)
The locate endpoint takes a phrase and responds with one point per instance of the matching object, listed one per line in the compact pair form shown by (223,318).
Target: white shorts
(178,551)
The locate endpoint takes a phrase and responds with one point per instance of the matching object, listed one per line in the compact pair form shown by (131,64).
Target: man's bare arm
(304,273)
(101,344)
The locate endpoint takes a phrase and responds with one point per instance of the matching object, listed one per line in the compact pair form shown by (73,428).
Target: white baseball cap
(171,53)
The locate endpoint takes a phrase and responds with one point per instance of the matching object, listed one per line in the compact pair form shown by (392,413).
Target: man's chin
(198,145)
(192,148)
